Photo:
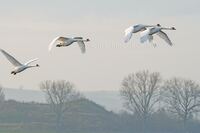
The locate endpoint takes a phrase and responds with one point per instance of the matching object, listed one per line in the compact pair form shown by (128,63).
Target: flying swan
(134,29)
(64,41)
(18,66)
(147,35)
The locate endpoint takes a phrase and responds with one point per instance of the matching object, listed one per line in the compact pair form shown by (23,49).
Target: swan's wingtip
(84,51)
(49,50)
(125,41)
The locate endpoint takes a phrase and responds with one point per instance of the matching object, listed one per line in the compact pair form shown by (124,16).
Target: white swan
(18,66)
(64,41)
(147,35)
(134,29)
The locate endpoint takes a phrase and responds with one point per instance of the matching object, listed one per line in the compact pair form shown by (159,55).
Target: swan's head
(173,28)
(158,25)
(37,65)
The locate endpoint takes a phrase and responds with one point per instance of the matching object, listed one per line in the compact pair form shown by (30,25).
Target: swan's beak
(37,65)
(88,40)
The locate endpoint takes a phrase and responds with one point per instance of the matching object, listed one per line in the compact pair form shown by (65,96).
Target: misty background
(110,100)
(27,28)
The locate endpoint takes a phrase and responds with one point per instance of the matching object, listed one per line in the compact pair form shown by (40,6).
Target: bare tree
(59,94)
(183,98)
(140,92)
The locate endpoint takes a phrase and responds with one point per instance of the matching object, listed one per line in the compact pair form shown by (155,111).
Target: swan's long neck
(78,39)
(163,28)
(84,40)
(152,25)
(32,66)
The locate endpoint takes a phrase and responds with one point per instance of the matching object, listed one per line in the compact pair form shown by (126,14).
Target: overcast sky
(27,28)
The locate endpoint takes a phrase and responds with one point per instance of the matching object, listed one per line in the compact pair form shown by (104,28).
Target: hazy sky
(27,28)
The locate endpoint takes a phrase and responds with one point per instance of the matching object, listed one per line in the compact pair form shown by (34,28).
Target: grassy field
(18,128)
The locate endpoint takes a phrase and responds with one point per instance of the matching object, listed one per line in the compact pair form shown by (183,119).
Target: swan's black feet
(59,45)
(14,73)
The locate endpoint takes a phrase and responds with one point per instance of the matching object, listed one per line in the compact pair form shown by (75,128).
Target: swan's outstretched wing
(128,34)
(27,63)
(61,39)
(10,58)
(82,46)
(144,36)
(164,36)
(52,43)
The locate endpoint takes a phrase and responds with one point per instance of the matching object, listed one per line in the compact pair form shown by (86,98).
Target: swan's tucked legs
(14,73)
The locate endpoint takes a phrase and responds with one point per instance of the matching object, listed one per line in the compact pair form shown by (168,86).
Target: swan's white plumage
(18,66)
(147,35)
(135,29)
(11,59)
(64,41)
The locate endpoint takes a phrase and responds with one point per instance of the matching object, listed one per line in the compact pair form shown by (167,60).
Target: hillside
(108,99)
(82,115)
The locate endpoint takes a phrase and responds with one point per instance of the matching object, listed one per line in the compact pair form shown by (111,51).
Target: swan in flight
(64,41)
(134,29)
(18,66)
(147,35)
